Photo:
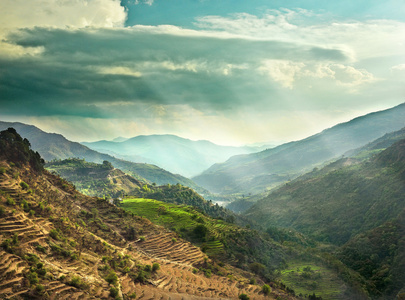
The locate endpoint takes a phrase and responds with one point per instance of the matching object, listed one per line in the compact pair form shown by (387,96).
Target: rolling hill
(255,173)
(173,153)
(53,146)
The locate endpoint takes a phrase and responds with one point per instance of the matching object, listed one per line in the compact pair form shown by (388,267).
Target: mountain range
(258,172)
(170,152)
(52,146)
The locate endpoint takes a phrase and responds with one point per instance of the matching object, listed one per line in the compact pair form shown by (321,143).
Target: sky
(230,71)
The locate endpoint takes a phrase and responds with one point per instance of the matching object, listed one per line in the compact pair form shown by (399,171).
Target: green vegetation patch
(184,220)
(309,278)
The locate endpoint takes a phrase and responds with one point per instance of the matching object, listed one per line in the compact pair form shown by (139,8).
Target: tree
(266,289)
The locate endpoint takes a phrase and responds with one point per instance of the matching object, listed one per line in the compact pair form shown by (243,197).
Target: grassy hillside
(343,199)
(92,179)
(255,173)
(56,243)
(53,146)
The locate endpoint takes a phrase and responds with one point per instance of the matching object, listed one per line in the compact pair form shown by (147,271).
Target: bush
(2,211)
(243,297)
(155,267)
(142,238)
(40,248)
(32,277)
(10,201)
(266,289)
(39,288)
(24,185)
(174,240)
(112,278)
(147,268)
(54,234)
(77,282)
(113,292)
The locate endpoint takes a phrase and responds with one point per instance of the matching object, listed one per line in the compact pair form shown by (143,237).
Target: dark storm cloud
(77,70)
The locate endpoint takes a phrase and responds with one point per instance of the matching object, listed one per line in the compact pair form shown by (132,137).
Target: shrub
(39,288)
(15,239)
(32,277)
(2,170)
(2,211)
(132,296)
(147,268)
(54,234)
(252,281)
(77,282)
(113,292)
(112,278)
(142,238)
(25,206)
(24,185)
(40,248)
(10,201)
(174,240)
(155,267)
(243,297)
(266,289)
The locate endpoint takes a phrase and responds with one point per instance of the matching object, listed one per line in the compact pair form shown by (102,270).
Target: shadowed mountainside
(254,173)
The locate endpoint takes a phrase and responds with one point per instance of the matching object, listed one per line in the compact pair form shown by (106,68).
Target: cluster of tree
(18,150)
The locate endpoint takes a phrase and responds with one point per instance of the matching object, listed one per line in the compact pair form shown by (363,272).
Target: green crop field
(183,220)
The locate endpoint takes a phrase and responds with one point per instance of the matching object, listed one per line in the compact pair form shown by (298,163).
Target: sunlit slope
(248,249)
(55,146)
(216,237)
(57,243)
(342,199)
(253,173)
(173,153)
(95,179)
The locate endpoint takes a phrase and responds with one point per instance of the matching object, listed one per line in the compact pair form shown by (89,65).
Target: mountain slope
(94,179)
(59,244)
(379,256)
(173,153)
(102,180)
(254,173)
(344,198)
(54,146)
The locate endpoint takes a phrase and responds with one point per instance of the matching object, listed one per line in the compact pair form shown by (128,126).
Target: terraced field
(182,220)
(39,233)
